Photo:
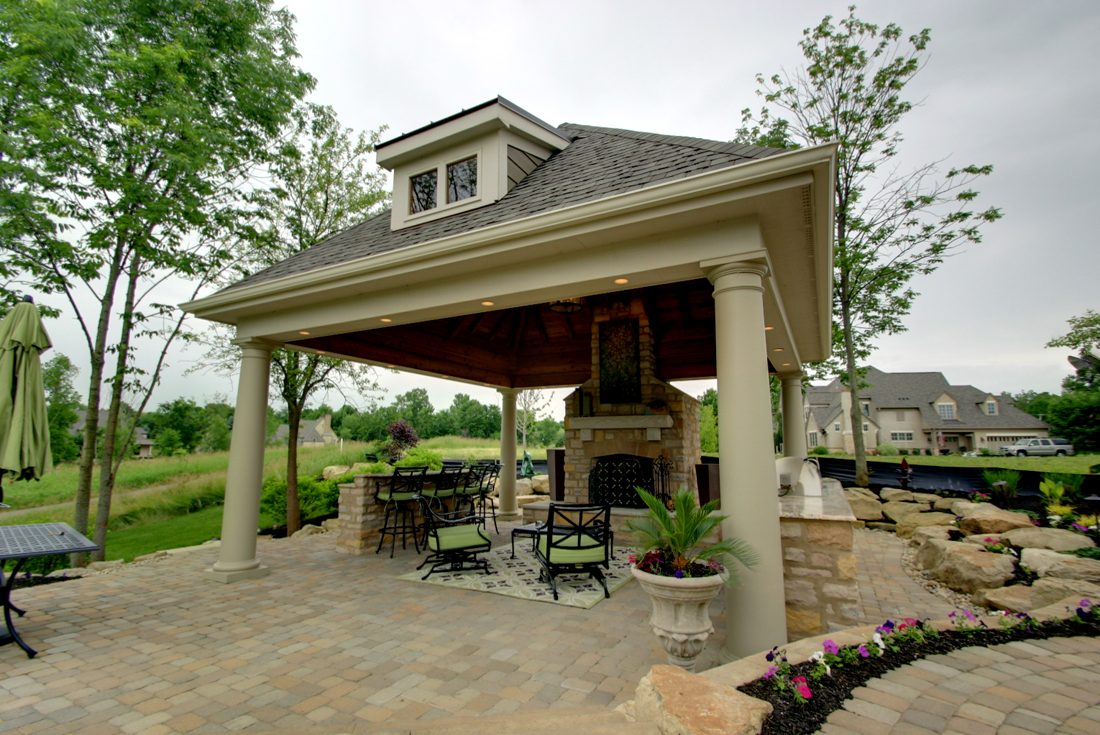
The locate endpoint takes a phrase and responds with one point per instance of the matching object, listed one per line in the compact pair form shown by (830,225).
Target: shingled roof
(598,163)
(920,390)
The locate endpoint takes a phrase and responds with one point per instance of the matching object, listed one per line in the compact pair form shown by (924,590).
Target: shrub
(1052,492)
(1071,483)
(375,468)
(984,451)
(1090,553)
(820,450)
(419,457)
(316,497)
(403,437)
(1011,478)
(888,450)
(903,451)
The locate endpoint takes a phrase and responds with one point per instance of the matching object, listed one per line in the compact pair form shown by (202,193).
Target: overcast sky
(1009,83)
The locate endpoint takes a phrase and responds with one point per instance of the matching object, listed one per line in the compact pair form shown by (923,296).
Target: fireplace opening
(614,477)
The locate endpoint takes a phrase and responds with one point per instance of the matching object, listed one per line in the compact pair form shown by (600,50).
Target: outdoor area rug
(519,577)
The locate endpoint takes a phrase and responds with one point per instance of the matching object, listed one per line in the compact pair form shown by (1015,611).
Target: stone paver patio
(332,640)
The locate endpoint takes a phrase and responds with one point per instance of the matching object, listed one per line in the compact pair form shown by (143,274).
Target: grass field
(167,503)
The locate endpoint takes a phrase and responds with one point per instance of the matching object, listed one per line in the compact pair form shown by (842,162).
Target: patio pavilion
(498,220)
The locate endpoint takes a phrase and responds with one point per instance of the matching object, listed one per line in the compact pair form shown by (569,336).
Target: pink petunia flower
(805,691)
(830,647)
(864,652)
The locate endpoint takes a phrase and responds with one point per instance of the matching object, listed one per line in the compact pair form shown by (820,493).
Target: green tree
(1036,404)
(708,429)
(1084,333)
(530,405)
(168,443)
(323,183)
(62,401)
(130,129)
(1076,416)
(216,436)
(890,225)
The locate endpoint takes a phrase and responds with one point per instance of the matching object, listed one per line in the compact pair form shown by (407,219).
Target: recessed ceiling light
(385,319)
(786,364)
(303,332)
(621,281)
(391,366)
(488,303)
(768,329)
(778,349)
(320,352)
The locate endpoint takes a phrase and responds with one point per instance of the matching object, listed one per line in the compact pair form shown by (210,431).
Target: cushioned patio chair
(398,495)
(487,483)
(453,540)
(575,540)
(445,484)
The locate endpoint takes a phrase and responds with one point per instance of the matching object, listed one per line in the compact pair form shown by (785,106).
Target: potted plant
(681,573)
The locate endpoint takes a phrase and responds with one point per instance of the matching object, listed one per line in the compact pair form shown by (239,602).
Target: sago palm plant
(678,537)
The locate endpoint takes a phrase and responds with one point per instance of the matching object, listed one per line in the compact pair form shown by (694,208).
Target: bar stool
(399,498)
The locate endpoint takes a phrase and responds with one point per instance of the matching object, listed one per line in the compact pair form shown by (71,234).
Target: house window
(866,409)
(991,408)
(866,427)
(836,426)
(813,439)
(422,192)
(901,436)
(947,410)
(462,180)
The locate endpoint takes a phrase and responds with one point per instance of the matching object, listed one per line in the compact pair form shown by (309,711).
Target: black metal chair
(398,495)
(453,540)
(468,487)
(487,483)
(445,484)
(575,540)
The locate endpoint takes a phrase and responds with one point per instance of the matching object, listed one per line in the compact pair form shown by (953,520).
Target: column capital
(256,343)
(789,378)
(509,391)
(738,275)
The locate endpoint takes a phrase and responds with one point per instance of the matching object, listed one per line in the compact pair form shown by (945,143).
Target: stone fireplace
(626,411)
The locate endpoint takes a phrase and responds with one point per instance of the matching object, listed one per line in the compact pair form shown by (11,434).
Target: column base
(239,576)
(509,515)
(726,656)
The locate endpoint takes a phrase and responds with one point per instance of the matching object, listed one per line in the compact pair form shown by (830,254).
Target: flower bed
(803,695)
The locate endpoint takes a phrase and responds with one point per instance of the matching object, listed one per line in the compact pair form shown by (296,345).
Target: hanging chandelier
(566,306)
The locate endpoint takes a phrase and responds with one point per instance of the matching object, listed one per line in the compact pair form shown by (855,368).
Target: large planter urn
(681,613)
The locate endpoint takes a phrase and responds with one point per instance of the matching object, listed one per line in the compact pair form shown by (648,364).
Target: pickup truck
(1039,448)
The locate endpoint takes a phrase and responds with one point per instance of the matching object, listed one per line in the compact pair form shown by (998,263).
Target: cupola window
(462,180)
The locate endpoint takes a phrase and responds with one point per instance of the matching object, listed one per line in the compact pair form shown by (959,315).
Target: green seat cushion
(566,555)
(458,537)
(432,492)
(386,496)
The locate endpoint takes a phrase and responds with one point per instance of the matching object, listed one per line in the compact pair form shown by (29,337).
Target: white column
(244,479)
(756,616)
(506,490)
(794,416)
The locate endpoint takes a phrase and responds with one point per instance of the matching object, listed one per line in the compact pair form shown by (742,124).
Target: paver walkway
(887,592)
(325,639)
(1024,688)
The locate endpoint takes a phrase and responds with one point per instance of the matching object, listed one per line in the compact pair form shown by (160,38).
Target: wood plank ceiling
(533,347)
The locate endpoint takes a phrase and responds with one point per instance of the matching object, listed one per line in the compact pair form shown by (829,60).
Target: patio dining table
(22,543)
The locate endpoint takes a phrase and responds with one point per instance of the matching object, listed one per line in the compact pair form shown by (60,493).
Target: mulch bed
(793,717)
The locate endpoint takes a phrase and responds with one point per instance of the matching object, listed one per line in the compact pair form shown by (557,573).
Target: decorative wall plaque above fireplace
(620,362)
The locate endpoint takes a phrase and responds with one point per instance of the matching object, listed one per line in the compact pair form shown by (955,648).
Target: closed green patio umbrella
(24,428)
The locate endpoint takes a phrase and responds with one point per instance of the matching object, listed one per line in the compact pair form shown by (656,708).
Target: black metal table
(22,543)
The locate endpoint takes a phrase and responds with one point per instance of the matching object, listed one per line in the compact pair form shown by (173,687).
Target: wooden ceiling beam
(537,312)
(517,336)
(504,315)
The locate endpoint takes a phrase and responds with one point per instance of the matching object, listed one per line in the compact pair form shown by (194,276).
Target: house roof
(920,390)
(495,101)
(824,404)
(599,163)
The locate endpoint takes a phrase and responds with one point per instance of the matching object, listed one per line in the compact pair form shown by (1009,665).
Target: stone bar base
(819,569)
(360,516)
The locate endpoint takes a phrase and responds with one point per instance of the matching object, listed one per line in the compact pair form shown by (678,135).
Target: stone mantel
(619,422)
(588,424)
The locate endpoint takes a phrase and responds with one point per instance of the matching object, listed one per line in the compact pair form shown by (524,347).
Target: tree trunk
(83,499)
(293,513)
(863,478)
(118,384)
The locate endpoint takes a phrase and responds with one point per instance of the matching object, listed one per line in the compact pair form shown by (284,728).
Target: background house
(912,410)
(315,433)
(142,443)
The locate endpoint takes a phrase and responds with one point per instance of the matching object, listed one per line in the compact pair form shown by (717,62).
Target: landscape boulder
(909,524)
(896,495)
(1055,539)
(336,470)
(926,498)
(1048,591)
(681,703)
(964,507)
(1048,563)
(308,530)
(991,519)
(920,535)
(944,504)
(151,557)
(896,511)
(523,487)
(865,505)
(540,484)
(1014,598)
(102,566)
(983,539)
(965,567)
(882,526)
(331,525)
